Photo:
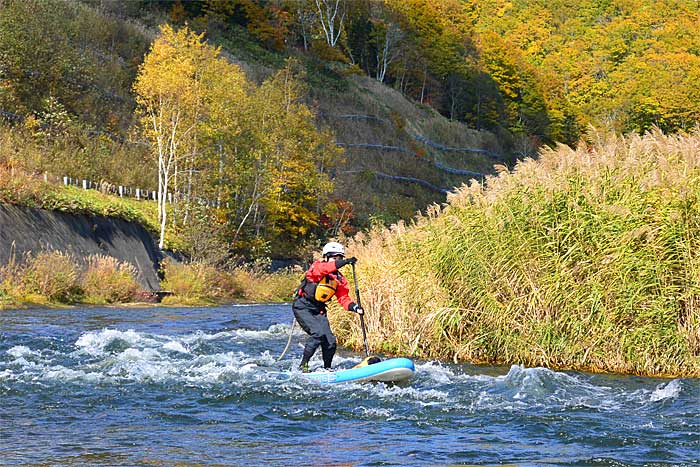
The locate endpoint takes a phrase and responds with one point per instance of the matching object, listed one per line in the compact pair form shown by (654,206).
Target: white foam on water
(275,330)
(553,388)
(200,337)
(26,364)
(20,351)
(95,343)
(281,328)
(417,395)
(118,356)
(436,371)
(375,412)
(175,346)
(523,388)
(669,390)
(60,373)
(169,359)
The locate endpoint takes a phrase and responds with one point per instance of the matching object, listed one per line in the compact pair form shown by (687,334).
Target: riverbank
(54,279)
(61,245)
(584,259)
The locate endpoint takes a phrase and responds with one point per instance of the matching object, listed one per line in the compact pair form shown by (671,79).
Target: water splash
(212,381)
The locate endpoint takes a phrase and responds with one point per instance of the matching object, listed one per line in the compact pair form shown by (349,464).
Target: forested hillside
(305,119)
(539,68)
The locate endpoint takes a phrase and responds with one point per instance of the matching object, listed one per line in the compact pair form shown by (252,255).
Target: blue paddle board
(392,370)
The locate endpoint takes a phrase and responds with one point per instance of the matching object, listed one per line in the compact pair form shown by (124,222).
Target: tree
(386,37)
(281,179)
(176,88)
(331,15)
(65,52)
(305,16)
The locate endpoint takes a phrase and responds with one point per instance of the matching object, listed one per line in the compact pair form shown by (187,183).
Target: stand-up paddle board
(392,370)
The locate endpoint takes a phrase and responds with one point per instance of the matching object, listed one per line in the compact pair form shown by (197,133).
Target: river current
(202,387)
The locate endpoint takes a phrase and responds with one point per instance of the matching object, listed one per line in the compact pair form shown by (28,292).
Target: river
(202,387)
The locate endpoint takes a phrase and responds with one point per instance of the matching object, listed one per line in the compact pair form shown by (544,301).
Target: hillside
(420,96)
(399,157)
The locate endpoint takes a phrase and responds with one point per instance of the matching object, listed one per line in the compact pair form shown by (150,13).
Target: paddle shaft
(359,303)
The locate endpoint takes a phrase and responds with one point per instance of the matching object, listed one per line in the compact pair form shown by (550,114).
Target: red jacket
(323,268)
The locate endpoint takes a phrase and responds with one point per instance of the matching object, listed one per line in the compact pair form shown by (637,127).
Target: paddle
(369,360)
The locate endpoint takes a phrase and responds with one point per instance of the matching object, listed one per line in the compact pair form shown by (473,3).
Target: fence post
(121,191)
(138,193)
(84,184)
(65,180)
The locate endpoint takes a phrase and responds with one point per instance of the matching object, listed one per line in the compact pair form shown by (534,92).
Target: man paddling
(321,283)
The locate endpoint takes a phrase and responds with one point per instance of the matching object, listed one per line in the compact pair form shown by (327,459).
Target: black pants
(316,325)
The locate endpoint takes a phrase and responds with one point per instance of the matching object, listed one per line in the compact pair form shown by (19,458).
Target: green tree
(66,53)
(281,179)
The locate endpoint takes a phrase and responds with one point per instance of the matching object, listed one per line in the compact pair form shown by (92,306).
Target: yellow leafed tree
(180,97)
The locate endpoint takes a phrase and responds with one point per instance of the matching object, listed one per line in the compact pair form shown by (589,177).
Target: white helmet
(333,248)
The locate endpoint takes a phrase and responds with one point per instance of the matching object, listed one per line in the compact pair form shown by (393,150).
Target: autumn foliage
(215,135)
(545,69)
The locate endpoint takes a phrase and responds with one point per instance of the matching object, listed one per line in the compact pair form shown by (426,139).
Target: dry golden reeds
(584,259)
(108,280)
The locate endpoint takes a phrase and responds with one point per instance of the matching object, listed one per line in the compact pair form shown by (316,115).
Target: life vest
(325,289)
(322,291)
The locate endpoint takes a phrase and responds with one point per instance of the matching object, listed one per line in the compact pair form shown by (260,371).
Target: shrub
(198,283)
(327,53)
(108,280)
(52,274)
(190,283)
(260,286)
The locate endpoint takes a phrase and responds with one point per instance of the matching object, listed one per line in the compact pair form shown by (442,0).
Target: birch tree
(331,15)
(387,36)
(164,97)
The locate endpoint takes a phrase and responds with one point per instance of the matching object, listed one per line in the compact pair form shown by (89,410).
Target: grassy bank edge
(22,189)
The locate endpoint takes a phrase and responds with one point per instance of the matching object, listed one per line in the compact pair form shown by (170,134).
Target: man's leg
(309,323)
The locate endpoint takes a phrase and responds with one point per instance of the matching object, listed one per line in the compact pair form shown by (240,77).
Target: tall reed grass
(54,277)
(582,259)
(108,280)
(201,284)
